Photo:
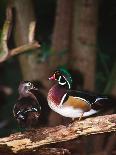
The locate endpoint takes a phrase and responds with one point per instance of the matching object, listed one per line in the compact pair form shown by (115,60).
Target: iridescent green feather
(66,74)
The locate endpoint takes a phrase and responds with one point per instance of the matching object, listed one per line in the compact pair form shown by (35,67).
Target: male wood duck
(72,103)
(27,109)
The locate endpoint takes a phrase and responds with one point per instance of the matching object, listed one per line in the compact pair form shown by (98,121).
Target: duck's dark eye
(29,83)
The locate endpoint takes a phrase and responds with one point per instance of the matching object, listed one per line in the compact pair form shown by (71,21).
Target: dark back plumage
(27,111)
(97,102)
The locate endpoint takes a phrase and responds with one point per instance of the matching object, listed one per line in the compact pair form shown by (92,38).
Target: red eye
(57,74)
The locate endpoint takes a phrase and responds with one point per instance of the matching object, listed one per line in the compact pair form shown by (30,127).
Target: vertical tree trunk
(84,40)
(31,69)
(61,33)
(24,15)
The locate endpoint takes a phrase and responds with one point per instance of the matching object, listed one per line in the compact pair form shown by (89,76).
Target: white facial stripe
(64,82)
(67,82)
(59,79)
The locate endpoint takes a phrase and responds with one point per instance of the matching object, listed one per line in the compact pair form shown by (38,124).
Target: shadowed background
(79,35)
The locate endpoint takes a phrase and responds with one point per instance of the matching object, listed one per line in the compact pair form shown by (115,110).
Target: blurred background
(77,34)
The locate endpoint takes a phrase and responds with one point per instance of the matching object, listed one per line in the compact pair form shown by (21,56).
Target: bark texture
(24,15)
(61,33)
(36,138)
(84,40)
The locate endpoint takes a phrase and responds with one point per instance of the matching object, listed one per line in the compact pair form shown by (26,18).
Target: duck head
(63,77)
(25,88)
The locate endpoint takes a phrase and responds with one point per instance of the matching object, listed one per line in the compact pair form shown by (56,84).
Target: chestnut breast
(55,94)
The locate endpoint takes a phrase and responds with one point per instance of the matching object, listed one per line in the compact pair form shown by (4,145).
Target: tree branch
(53,151)
(31,31)
(5,53)
(23,48)
(3,47)
(36,138)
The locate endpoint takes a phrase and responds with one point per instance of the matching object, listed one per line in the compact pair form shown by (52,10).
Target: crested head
(63,77)
(25,88)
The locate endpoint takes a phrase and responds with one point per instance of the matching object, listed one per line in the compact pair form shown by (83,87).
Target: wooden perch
(53,151)
(5,53)
(36,138)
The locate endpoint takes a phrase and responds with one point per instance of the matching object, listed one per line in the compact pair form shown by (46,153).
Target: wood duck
(72,103)
(27,109)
